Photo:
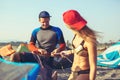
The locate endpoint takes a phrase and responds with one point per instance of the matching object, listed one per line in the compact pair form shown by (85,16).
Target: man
(48,37)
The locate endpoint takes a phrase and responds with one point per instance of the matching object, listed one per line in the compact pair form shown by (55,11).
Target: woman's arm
(92,52)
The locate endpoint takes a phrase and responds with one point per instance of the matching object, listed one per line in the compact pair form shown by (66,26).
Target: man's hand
(55,52)
(42,51)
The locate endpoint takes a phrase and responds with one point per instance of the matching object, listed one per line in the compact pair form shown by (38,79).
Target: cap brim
(45,16)
(79,25)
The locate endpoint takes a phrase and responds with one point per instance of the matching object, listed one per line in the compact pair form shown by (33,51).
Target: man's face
(44,22)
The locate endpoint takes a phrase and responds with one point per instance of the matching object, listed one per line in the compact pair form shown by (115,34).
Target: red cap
(74,19)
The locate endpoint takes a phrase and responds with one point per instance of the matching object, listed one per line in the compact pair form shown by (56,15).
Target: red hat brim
(79,25)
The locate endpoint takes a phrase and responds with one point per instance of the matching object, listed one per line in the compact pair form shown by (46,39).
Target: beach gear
(74,19)
(23,48)
(58,62)
(6,50)
(62,63)
(18,71)
(44,14)
(110,57)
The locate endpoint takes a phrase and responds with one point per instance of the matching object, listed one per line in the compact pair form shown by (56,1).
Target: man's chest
(46,35)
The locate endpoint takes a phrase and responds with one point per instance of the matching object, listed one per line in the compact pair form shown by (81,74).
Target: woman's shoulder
(89,41)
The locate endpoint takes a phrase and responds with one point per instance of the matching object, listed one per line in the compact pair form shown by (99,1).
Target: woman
(84,47)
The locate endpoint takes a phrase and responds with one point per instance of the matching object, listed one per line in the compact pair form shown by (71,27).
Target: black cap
(44,14)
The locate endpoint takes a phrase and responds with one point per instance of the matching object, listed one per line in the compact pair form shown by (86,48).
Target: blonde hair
(87,33)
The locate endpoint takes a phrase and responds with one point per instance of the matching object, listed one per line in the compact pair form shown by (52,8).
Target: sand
(103,73)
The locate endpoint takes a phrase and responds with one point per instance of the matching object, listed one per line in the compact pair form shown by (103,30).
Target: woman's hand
(65,53)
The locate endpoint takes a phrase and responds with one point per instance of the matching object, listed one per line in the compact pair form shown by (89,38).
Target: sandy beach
(103,73)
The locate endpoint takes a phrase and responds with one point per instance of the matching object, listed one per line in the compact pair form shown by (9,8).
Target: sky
(19,17)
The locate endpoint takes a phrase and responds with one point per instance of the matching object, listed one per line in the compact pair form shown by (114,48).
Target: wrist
(72,51)
(58,50)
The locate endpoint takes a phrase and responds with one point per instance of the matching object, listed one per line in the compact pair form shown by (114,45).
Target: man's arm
(32,47)
(62,46)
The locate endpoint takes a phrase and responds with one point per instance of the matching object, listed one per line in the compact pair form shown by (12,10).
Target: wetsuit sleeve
(62,46)
(32,47)
(61,42)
